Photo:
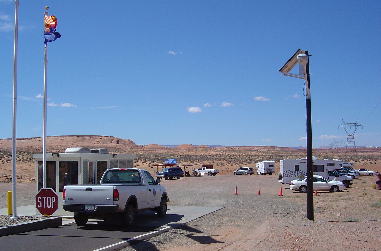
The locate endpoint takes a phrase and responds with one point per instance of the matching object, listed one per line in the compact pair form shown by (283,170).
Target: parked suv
(171,173)
(244,171)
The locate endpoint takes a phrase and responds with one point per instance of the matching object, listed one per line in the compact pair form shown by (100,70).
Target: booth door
(50,175)
(68,173)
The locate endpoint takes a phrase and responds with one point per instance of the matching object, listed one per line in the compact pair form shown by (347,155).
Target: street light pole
(310,202)
(301,58)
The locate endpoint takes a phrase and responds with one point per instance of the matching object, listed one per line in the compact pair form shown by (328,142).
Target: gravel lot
(347,220)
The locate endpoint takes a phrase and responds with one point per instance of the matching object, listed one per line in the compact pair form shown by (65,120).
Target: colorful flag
(50,25)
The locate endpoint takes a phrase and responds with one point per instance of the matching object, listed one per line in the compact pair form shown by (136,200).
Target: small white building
(78,165)
(265,167)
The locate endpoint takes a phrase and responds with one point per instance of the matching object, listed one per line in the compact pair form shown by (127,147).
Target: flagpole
(15,50)
(44,110)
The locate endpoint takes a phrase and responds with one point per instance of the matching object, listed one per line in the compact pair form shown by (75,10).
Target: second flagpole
(44,115)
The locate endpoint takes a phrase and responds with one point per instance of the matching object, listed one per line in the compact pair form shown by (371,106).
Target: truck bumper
(98,209)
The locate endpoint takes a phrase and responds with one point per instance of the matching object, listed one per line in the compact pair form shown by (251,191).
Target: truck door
(152,195)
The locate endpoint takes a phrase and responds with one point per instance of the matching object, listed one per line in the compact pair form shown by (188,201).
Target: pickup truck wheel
(303,189)
(346,184)
(80,219)
(162,209)
(129,215)
(334,189)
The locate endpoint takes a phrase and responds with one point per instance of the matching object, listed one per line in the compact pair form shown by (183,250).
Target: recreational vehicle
(265,167)
(291,169)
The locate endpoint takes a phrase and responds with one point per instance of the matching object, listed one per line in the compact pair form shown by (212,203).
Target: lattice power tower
(350,129)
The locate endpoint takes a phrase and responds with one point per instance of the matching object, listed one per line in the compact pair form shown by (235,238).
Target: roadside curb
(31,226)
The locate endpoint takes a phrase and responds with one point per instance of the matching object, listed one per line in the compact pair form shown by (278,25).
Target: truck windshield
(121,176)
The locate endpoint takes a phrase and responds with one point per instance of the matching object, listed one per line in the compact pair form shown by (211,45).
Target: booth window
(50,175)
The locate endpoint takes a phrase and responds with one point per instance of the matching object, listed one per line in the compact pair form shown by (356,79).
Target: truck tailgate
(95,195)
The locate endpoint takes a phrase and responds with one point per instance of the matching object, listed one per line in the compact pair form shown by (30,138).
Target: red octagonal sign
(46,201)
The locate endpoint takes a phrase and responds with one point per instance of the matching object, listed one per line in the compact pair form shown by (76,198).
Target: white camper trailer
(265,167)
(291,169)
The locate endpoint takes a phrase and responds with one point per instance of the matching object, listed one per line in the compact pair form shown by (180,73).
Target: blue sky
(195,72)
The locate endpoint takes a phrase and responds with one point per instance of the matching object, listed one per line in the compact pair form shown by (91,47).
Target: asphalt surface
(97,234)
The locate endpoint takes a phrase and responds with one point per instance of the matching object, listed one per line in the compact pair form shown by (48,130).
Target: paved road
(96,234)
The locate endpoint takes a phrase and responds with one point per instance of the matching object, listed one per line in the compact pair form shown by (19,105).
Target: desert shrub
(376,204)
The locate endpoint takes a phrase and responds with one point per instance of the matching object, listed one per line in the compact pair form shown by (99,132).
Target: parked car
(319,184)
(244,170)
(344,171)
(366,172)
(346,179)
(171,173)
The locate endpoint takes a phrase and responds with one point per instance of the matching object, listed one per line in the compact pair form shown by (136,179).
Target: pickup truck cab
(122,192)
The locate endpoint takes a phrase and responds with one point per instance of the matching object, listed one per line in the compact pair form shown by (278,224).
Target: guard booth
(78,165)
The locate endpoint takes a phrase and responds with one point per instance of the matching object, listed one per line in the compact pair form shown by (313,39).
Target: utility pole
(302,58)
(310,199)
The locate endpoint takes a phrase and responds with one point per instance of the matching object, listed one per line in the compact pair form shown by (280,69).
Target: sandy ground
(349,220)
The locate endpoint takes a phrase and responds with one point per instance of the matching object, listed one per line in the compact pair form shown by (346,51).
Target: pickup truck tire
(162,209)
(80,219)
(303,189)
(129,215)
(334,189)
(346,183)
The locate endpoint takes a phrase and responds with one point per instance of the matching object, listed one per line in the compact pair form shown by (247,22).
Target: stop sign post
(46,201)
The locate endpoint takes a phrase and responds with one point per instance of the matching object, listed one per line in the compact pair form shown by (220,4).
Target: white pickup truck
(122,192)
(205,170)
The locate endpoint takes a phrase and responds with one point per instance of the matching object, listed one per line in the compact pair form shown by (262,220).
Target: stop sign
(46,201)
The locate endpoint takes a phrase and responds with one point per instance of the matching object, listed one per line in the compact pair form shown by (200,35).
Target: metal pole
(15,50)
(310,202)
(44,116)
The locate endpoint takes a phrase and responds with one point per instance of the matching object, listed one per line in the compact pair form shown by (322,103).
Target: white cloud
(6,27)
(25,98)
(329,137)
(304,138)
(174,53)
(194,109)
(65,105)
(53,104)
(261,99)
(207,105)
(4,17)
(295,96)
(226,104)
(171,52)
(39,96)
(68,105)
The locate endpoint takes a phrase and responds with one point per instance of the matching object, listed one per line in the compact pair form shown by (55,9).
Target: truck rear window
(129,176)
